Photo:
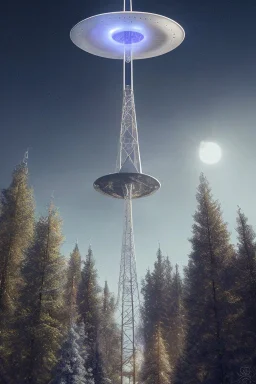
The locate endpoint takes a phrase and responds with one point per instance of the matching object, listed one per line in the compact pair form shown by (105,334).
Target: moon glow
(209,152)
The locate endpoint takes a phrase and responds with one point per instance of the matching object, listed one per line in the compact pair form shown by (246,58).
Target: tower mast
(127,36)
(128,161)
(128,294)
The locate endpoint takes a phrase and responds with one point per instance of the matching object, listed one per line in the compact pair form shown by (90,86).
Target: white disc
(157,34)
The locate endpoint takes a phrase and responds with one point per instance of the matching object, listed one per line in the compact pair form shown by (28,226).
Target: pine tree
(154,309)
(109,337)
(89,314)
(16,232)
(245,289)
(71,367)
(159,283)
(205,358)
(73,281)
(146,320)
(156,367)
(41,318)
(176,321)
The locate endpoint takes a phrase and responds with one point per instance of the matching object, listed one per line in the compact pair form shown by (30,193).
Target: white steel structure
(128,36)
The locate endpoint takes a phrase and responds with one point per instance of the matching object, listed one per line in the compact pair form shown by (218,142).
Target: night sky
(65,105)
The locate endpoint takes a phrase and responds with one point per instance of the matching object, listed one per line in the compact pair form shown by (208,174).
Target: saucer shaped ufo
(106,34)
(114,185)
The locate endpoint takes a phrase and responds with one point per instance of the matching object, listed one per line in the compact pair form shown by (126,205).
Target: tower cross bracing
(129,153)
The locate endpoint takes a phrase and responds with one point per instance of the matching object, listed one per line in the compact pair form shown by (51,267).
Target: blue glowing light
(127,37)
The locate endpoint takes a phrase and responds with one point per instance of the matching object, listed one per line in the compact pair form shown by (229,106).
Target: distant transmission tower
(128,35)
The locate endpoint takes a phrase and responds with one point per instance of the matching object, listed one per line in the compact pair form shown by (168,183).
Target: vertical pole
(129,193)
(128,293)
(131,64)
(124,71)
(133,335)
(129,5)
(128,67)
(122,328)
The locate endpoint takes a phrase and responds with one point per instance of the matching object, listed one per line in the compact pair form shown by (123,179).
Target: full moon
(209,152)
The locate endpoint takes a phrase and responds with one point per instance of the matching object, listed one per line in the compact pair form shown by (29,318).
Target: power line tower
(128,36)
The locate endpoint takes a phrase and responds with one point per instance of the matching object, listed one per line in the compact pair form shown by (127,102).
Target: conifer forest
(58,326)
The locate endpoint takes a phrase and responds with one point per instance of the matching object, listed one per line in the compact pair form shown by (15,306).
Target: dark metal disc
(114,184)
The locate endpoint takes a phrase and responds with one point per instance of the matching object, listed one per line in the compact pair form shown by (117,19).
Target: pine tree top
(75,256)
(210,233)
(89,266)
(244,230)
(106,290)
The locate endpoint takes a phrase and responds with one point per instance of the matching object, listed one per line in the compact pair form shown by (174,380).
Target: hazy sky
(66,106)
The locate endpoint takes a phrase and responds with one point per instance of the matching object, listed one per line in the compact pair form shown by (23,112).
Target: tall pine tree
(176,318)
(205,358)
(16,232)
(146,319)
(73,281)
(89,314)
(154,310)
(163,306)
(41,320)
(110,337)
(245,289)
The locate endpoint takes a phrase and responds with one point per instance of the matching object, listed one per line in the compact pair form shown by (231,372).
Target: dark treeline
(58,326)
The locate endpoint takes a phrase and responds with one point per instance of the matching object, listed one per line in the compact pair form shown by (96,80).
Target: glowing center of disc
(127,37)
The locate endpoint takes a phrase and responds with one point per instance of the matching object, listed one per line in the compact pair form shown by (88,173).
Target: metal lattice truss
(128,293)
(128,159)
